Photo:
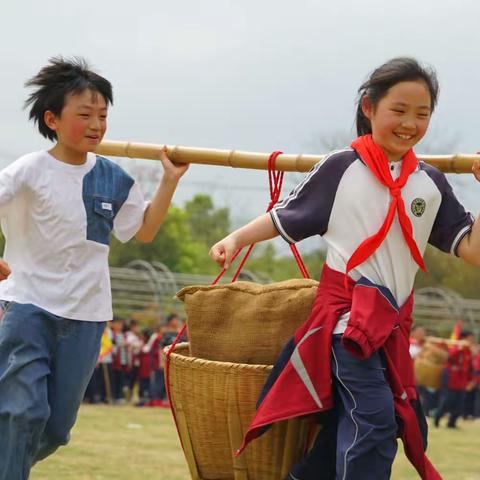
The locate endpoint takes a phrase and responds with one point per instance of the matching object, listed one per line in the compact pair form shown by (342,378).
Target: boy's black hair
(465,334)
(62,77)
(171,317)
(401,69)
(147,332)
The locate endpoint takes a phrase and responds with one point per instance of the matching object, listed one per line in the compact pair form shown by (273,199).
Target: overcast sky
(257,75)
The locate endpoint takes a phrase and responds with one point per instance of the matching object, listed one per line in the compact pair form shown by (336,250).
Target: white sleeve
(129,218)
(12,180)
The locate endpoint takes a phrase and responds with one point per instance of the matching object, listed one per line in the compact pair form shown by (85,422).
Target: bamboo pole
(447,341)
(455,163)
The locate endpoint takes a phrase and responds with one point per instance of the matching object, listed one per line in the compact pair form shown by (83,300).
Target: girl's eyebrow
(403,104)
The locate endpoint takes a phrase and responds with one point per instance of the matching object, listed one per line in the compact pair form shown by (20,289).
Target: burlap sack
(244,322)
(434,353)
(429,365)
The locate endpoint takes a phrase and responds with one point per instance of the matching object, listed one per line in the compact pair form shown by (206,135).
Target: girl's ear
(367,107)
(50,120)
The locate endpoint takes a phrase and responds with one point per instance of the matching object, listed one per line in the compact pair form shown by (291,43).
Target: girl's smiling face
(400,119)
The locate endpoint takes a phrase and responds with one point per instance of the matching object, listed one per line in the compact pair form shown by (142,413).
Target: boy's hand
(4,270)
(476,169)
(222,252)
(172,170)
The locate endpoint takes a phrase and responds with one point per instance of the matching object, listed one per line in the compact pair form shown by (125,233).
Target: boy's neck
(68,155)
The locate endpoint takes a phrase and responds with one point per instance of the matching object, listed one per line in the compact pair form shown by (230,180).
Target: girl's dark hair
(401,69)
(62,77)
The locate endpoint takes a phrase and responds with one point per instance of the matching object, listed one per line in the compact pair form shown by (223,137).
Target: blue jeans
(45,365)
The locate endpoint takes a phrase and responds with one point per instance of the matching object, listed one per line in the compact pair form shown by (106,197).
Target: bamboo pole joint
(453,163)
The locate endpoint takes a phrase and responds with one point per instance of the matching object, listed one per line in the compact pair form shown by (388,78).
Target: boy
(58,209)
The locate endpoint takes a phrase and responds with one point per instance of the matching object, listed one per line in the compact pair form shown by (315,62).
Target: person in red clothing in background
(157,381)
(119,366)
(134,345)
(476,380)
(472,400)
(143,360)
(417,339)
(458,377)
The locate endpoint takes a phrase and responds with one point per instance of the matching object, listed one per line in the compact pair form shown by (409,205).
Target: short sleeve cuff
(460,235)
(278,225)
(127,228)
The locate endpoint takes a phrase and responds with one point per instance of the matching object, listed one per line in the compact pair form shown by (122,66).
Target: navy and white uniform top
(341,200)
(57,219)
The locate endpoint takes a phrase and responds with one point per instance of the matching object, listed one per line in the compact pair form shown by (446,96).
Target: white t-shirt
(341,200)
(57,220)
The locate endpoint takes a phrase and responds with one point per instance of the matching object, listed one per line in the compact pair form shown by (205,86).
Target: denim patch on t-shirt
(105,189)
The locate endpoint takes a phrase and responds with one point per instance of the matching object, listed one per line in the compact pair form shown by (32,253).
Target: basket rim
(213,363)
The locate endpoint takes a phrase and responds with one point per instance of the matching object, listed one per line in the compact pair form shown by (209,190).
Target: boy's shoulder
(31,158)
(105,164)
(26,163)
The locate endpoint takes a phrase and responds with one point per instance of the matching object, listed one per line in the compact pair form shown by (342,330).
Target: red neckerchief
(377,161)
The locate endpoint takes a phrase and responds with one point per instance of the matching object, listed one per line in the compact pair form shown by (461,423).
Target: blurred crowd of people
(130,368)
(457,394)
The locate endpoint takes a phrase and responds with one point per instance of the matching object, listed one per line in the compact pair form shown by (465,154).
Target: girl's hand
(222,252)
(4,270)
(476,169)
(172,170)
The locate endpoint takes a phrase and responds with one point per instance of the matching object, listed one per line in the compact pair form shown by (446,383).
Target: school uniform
(343,201)
(476,383)
(119,366)
(57,219)
(144,373)
(457,375)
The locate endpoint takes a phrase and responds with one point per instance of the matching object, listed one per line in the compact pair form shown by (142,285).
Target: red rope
(275,182)
(298,258)
(242,263)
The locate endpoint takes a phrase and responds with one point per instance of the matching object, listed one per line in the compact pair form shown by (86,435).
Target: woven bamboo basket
(214,403)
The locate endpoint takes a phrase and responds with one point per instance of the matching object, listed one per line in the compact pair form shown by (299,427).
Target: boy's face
(175,323)
(401,117)
(419,334)
(82,123)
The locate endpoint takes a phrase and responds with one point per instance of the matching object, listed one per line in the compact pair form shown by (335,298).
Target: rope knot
(395,192)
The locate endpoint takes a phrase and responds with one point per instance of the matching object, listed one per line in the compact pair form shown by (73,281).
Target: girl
(376,207)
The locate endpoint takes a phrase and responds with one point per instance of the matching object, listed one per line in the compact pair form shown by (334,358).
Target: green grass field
(128,443)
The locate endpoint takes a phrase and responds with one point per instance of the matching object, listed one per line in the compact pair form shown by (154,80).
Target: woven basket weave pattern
(214,404)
